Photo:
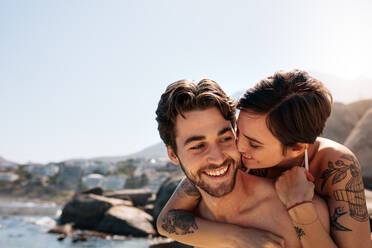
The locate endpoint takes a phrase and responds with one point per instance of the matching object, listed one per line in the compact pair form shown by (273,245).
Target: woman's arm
(341,181)
(309,219)
(177,221)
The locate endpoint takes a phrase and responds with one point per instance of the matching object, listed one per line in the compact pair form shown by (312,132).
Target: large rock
(125,220)
(92,181)
(164,193)
(139,197)
(87,210)
(340,123)
(360,107)
(360,142)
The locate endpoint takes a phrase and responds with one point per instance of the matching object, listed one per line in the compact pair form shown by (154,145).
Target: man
(196,122)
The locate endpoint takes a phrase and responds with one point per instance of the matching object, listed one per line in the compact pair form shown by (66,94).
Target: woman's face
(258,146)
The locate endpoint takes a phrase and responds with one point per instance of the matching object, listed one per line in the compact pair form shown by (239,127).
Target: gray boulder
(340,123)
(360,142)
(87,210)
(125,220)
(139,197)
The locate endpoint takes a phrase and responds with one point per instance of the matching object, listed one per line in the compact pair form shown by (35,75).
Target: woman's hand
(295,186)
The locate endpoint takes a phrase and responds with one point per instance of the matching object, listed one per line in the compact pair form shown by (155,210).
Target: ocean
(30,231)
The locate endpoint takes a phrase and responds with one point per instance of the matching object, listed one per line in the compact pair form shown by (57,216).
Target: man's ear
(172,156)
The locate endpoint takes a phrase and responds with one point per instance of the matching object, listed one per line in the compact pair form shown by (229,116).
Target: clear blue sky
(81,79)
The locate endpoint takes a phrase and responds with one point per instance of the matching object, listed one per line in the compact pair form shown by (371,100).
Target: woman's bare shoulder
(330,150)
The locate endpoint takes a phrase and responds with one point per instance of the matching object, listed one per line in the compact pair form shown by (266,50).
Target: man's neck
(231,204)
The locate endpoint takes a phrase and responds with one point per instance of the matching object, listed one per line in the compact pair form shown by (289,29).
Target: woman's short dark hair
(185,95)
(296,104)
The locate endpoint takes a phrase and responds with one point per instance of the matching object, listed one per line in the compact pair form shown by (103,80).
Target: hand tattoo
(179,222)
(299,232)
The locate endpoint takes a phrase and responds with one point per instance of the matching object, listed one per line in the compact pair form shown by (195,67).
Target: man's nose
(240,145)
(216,155)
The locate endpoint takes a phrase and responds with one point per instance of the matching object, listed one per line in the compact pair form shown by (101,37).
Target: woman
(278,127)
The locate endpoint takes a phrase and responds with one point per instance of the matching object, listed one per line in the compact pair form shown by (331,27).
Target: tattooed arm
(341,181)
(177,221)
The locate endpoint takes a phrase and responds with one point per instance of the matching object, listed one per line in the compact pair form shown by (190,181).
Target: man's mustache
(224,163)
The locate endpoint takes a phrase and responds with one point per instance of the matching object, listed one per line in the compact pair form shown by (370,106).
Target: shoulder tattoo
(339,211)
(353,193)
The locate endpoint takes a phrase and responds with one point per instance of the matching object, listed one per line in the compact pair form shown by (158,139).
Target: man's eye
(197,147)
(225,139)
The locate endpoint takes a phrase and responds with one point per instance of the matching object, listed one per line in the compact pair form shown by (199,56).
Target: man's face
(206,150)
(258,146)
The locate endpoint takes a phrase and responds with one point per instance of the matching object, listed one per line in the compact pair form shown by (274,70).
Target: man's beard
(223,189)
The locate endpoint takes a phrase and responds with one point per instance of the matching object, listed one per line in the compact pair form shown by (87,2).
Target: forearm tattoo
(189,188)
(339,211)
(354,190)
(179,222)
(299,232)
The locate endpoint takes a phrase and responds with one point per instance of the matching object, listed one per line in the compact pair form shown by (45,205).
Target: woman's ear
(298,148)
(172,156)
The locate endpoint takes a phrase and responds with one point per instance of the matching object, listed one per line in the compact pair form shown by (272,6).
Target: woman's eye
(253,146)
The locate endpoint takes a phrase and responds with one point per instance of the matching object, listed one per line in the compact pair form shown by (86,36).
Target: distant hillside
(360,107)
(157,150)
(6,164)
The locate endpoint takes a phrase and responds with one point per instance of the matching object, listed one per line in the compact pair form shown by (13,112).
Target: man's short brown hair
(185,95)
(297,105)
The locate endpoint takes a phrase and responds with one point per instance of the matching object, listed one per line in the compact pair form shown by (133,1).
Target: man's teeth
(217,172)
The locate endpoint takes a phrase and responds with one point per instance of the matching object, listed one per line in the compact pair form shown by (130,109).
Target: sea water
(21,231)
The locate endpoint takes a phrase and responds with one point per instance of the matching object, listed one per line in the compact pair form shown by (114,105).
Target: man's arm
(177,221)
(341,181)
